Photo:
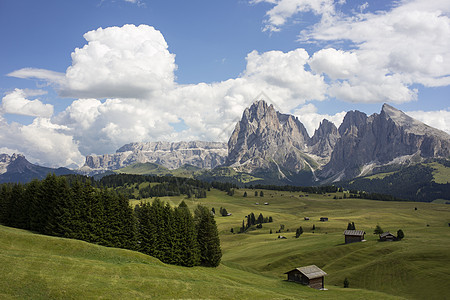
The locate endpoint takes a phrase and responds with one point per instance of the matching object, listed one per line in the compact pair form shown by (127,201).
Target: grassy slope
(39,267)
(253,264)
(417,267)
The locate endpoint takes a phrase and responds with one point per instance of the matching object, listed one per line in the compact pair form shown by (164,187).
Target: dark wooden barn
(311,276)
(323,219)
(352,236)
(387,236)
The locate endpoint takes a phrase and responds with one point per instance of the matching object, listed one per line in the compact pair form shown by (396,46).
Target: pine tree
(186,251)
(245,194)
(207,238)
(400,235)
(346,283)
(261,194)
(298,232)
(378,230)
(256,193)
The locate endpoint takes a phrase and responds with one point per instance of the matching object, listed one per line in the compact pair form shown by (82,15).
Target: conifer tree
(207,238)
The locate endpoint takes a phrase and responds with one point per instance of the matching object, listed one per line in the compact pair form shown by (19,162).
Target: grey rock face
(6,160)
(171,155)
(263,137)
(324,138)
(380,139)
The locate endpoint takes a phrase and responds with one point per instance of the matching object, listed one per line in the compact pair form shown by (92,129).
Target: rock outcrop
(391,137)
(265,138)
(173,155)
(323,141)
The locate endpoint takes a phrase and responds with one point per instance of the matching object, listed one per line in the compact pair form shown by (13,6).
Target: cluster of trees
(223,212)
(102,216)
(261,194)
(252,220)
(414,183)
(166,185)
(79,211)
(351,226)
(174,236)
(291,188)
(399,237)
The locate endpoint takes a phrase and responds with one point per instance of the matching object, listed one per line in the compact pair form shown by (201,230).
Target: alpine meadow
(239,149)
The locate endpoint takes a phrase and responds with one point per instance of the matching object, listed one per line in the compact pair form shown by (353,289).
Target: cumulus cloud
(42,142)
(309,116)
(15,102)
(391,50)
(126,62)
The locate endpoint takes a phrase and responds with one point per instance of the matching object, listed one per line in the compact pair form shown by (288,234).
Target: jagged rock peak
(264,135)
(325,129)
(353,119)
(410,124)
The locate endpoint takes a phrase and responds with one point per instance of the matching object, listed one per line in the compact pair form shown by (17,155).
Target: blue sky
(84,77)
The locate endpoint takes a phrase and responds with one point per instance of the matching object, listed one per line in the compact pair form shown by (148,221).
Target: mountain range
(276,148)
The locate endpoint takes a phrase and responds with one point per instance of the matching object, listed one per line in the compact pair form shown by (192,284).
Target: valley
(253,263)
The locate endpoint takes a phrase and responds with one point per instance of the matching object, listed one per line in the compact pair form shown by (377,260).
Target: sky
(81,77)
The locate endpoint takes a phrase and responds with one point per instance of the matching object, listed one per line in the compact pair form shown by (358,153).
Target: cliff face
(205,155)
(323,141)
(386,138)
(267,140)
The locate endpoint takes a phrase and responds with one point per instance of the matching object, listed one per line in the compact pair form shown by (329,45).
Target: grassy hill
(39,267)
(253,263)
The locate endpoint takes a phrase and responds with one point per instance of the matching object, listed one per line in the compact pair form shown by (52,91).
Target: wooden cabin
(352,236)
(323,219)
(311,276)
(387,236)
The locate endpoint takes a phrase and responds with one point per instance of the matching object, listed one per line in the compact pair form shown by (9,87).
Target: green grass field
(33,266)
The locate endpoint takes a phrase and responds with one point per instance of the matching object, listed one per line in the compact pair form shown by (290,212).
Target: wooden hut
(311,276)
(352,236)
(323,219)
(387,236)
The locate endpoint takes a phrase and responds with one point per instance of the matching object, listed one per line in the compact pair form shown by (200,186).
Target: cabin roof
(311,271)
(354,232)
(385,234)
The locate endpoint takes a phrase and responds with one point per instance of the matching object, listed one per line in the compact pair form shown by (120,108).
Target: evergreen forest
(73,208)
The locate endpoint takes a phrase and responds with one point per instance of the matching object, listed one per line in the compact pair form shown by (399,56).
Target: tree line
(102,216)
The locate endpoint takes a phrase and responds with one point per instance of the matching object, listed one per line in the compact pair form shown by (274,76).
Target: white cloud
(127,62)
(394,49)
(391,50)
(308,115)
(47,75)
(439,119)
(286,9)
(337,64)
(15,102)
(42,142)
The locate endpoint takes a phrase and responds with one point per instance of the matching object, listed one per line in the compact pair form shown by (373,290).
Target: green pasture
(33,266)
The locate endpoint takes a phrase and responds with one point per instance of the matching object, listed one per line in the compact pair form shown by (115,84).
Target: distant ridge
(16,168)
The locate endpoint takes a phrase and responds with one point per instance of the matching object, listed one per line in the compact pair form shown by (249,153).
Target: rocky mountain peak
(324,138)
(264,136)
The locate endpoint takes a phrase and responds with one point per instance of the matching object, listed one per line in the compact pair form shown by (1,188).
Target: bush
(346,283)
